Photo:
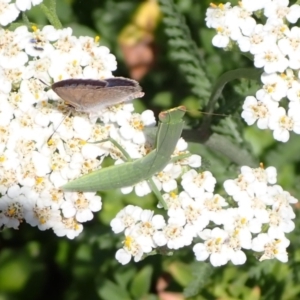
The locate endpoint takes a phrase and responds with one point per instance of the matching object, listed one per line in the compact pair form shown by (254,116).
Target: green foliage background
(39,265)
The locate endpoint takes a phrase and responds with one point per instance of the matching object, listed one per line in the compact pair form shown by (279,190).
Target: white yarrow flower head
(273,43)
(38,153)
(260,202)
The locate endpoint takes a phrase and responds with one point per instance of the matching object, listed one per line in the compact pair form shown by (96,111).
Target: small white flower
(101,63)
(216,14)
(13,57)
(26,4)
(271,59)
(44,217)
(293,13)
(82,128)
(276,29)
(257,204)
(41,163)
(68,227)
(293,94)
(131,249)
(282,124)
(243,18)
(81,206)
(146,228)
(126,218)
(123,257)
(235,242)
(214,246)
(238,188)
(213,205)
(196,215)
(279,10)
(12,211)
(254,5)
(241,220)
(51,197)
(289,45)
(260,174)
(173,235)
(8,12)
(281,198)
(172,200)
(166,179)
(9,160)
(272,247)
(195,184)
(254,41)
(279,223)
(224,35)
(254,110)
(141,189)
(132,127)
(274,88)
(115,113)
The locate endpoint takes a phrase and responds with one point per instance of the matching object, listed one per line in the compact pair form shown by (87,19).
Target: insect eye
(69,105)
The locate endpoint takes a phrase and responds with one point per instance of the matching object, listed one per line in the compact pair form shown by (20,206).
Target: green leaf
(201,272)
(181,272)
(111,291)
(124,275)
(141,284)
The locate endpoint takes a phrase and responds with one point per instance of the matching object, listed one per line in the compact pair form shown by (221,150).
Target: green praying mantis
(134,171)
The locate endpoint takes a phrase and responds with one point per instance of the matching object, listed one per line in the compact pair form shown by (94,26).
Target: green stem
(157,193)
(26,20)
(50,13)
(117,145)
(180,157)
(248,73)
(223,145)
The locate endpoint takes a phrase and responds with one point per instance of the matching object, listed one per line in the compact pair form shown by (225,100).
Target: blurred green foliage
(39,265)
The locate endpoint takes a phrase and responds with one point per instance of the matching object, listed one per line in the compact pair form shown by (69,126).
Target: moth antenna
(44,83)
(55,130)
(213,114)
(208,113)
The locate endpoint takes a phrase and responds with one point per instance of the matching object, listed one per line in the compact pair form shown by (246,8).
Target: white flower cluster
(34,162)
(197,212)
(275,47)
(10,11)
